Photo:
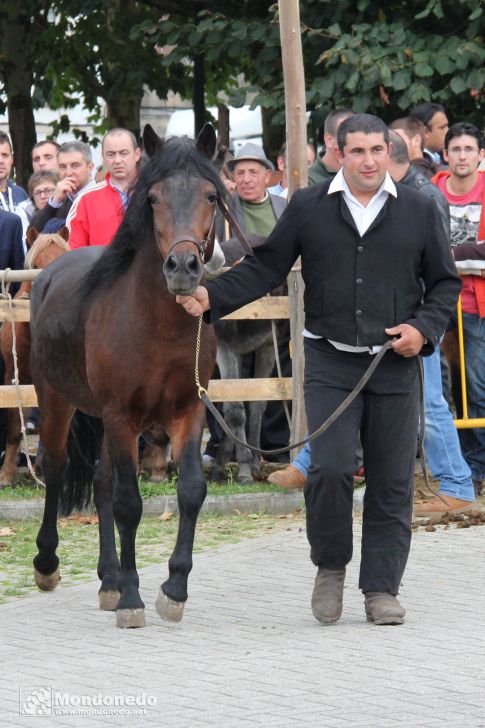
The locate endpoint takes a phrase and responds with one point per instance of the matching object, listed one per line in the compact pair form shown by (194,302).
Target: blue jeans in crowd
(473,440)
(441,442)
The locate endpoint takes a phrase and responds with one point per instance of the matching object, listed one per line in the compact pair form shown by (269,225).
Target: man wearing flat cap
(253,208)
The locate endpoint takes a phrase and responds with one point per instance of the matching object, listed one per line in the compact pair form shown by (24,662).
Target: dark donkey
(108,338)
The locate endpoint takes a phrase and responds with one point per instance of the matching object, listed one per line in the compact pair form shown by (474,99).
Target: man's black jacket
(400,271)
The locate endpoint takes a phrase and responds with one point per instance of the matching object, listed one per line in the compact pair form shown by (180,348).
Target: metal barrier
(465,422)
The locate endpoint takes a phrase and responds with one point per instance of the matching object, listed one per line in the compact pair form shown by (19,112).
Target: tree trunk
(198,95)
(124,112)
(273,134)
(223,125)
(16,32)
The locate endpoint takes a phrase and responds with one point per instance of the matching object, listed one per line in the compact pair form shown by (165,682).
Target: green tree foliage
(378,57)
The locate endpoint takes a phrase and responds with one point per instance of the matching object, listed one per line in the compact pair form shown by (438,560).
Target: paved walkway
(249,652)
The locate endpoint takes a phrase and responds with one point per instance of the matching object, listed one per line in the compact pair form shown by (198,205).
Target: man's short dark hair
(366,123)
(5,139)
(461,128)
(44,142)
(333,119)
(399,149)
(425,111)
(410,126)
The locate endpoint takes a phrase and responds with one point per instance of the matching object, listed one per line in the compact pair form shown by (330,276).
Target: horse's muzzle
(183,273)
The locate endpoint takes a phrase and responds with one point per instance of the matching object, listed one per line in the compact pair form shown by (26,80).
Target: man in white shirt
(377,270)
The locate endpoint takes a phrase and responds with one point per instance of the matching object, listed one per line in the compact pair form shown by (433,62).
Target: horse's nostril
(192,263)
(171,264)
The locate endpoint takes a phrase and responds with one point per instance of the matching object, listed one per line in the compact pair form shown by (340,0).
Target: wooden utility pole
(297,173)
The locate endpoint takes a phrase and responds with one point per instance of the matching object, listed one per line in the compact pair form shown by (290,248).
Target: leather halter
(201,245)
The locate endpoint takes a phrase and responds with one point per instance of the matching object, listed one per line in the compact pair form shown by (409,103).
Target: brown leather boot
(383,608)
(327,595)
(289,477)
(444,504)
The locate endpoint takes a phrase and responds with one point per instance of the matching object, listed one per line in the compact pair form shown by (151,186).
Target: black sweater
(400,271)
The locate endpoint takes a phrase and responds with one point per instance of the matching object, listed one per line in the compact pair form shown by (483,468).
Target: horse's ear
(151,141)
(220,158)
(64,233)
(32,234)
(206,141)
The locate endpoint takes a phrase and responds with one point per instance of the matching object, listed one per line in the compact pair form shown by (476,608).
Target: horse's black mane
(178,154)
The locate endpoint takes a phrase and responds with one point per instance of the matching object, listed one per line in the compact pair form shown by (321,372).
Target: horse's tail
(83,450)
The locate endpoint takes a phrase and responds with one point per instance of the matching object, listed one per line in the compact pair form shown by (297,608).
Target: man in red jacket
(96,215)
(464,187)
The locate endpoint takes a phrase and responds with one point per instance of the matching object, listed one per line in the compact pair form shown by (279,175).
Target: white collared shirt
(363,216)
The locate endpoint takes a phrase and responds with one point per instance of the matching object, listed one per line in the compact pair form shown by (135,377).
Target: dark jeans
(386,412)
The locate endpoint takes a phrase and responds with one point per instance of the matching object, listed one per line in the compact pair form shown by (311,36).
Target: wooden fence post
(297,172)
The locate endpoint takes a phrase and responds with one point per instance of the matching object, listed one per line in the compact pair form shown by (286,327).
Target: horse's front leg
(108,564)
(54,429)
(127,509)
(186,438)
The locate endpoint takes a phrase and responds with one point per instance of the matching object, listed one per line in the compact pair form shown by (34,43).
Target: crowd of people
(390,215)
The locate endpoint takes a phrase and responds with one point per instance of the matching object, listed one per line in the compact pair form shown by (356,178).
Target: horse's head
(183,203)
(45,247)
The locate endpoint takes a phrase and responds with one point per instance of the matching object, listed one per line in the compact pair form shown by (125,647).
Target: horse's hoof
(47,582)
(129,618)
(108,600)
(169,609)
(244,479)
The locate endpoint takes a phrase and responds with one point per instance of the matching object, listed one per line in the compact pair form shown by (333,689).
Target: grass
(78,544)
(26,488)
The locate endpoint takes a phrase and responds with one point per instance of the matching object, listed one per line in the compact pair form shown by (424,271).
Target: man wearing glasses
(464,187)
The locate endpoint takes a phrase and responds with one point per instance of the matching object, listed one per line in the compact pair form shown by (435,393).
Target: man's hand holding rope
(196,303)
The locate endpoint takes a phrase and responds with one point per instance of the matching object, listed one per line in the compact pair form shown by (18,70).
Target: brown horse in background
(43,249)
(109,339)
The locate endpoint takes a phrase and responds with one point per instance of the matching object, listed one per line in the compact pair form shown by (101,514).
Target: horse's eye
(152,199)
(211,199)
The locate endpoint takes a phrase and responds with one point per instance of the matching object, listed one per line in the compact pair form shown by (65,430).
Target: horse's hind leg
(191,491)
(122,445)
(108,564)
(54,429)
(9,467)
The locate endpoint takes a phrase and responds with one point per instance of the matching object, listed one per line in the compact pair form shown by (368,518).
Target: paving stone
(249,652)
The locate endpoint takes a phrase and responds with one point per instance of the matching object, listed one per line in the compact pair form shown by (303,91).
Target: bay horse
(42,250)
(109,339)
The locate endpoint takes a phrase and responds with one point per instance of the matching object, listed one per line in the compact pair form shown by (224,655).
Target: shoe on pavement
(328,594)
(289,477)
(438,506)
(383,608)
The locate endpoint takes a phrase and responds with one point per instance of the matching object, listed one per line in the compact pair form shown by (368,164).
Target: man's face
(120,157)
(463,156)
(251,179)
(365,160)
(44,158)
(6,162)
(74,166)
(436,131)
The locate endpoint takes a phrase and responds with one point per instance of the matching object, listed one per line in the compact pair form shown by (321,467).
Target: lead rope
(15,381)
(330,420)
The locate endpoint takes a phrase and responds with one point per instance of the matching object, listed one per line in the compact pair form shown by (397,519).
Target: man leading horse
(376,266)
